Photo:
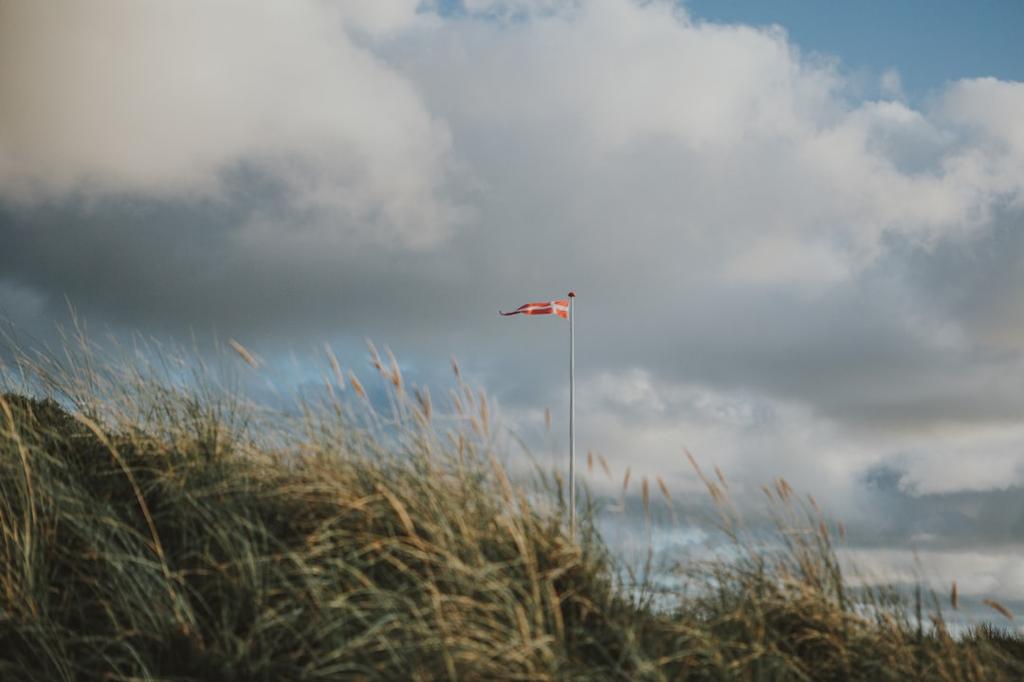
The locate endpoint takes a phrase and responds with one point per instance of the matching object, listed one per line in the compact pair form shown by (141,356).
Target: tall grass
(156,525)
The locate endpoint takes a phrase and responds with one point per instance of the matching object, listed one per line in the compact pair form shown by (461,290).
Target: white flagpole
(572,416)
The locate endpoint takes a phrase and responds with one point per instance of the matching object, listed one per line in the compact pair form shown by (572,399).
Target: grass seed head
(244,353)
(335,366)
(357,385)
(998,608)
(664,489)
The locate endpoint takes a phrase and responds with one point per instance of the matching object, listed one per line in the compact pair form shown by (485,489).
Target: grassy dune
(156,526)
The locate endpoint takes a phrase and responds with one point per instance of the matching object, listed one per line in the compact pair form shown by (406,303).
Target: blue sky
(929,42)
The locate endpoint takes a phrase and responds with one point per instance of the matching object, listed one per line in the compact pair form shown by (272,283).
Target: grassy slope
(182,540)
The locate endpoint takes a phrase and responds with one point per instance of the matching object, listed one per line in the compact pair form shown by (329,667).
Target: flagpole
(572,416)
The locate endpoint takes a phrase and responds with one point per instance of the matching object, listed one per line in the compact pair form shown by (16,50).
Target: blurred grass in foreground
(156,526)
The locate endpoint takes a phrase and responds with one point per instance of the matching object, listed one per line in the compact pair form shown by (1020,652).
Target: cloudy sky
(795,229)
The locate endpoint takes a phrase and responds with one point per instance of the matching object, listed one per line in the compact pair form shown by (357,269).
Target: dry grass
(156,526)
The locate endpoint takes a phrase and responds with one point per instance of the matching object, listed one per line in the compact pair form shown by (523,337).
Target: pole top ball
(572,294)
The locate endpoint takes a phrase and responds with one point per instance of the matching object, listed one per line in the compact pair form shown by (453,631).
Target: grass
(155,525)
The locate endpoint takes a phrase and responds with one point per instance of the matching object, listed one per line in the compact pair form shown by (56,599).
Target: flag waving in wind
(560,308)
(564,309)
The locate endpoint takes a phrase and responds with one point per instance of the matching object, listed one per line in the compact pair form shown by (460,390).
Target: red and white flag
(560,308)
(563,309)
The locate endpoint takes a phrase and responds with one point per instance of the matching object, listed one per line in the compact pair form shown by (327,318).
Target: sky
(794,228)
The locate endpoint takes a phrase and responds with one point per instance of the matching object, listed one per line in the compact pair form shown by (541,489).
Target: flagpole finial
(572,294)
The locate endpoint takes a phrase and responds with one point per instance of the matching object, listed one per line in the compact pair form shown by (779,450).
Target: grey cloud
(940,521)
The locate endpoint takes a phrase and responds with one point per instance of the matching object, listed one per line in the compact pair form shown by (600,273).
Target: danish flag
(560,308)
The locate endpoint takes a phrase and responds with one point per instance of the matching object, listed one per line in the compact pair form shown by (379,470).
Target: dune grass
(155,525)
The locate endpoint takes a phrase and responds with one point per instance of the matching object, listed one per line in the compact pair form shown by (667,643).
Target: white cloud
(989,106)
(380,19)
(976,458)
(647,425)
(167,99)
(977,573)
(758,142)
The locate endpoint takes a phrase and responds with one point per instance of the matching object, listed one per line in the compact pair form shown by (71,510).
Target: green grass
(156,526)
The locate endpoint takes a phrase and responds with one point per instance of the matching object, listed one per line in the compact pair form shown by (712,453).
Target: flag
(560,308)
(563,310)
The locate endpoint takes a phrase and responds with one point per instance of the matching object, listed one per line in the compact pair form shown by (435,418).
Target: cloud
(21,303)
(988,106)
(380,19)
(977,574)
(166,100)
